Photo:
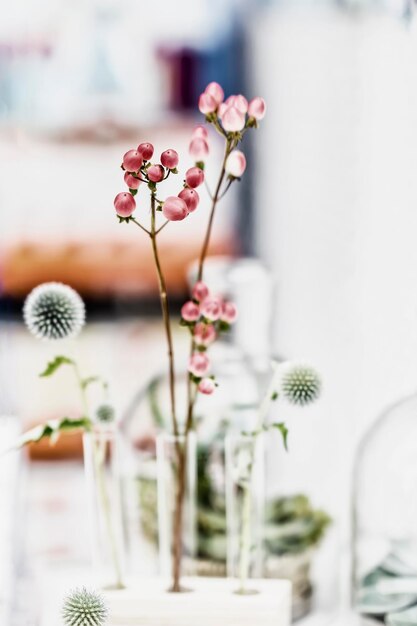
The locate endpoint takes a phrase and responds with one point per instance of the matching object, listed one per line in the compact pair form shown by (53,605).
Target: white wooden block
(211,602)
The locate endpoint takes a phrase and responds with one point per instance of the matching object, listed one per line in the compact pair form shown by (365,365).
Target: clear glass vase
(245,508)
(177,484)
(385,518)
(103,477)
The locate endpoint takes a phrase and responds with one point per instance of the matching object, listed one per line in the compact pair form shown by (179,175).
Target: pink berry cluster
(206,316)
(234,113)
(139,169)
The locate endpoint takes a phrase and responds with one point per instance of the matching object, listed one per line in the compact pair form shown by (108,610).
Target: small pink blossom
(146,149)
(233,120)
(200,132)
(239,102)
(174,209)
(236,163)
(207,103)
(170,159)
(156,173)
(204,334)
(199,364)
(190,311)
(211,309)
(131,181)
(257,108)
(194,177)
(200,291)
(206,386)
(229,312)
(132,161)
(190,197)
(125,204)
(215,91)
(198,148)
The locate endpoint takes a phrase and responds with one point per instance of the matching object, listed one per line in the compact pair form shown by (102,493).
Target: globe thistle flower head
(84,608)
(105,414)
(300,384)
(54,311)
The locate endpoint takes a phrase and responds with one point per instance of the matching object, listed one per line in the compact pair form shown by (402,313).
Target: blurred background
(327,206)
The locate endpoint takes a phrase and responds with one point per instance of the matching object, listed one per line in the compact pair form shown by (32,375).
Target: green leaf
(52,366)
(284,432)
(52,429)
(91,379)
(274,395)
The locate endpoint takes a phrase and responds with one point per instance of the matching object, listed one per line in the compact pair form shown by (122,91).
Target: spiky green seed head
(300,384)
(54,311)
(84,608)
(105,413)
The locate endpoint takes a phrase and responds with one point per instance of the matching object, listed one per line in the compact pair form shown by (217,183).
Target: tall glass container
(245,504)
(385,518)
(177,482)
(103,476)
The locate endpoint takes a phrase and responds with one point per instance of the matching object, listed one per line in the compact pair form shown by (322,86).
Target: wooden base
(210,602)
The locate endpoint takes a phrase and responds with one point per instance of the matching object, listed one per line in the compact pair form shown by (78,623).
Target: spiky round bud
(54,311)
(105,413)
(84,608)
(300,384)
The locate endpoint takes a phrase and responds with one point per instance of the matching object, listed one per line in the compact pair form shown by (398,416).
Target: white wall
(337,221)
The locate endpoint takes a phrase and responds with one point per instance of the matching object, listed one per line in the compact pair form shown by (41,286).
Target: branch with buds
(205,315)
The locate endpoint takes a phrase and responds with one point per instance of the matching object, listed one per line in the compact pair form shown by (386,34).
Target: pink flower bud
(215,91)
(200,291)
(211,309)
(239,102)
(206,386)
(170,159)
(146,150)
(190,197)
(194,177)
(257,108)
(190,311)
(222,110)
(125,204)
(131,181)
(204,334)
(198,148)
(174,209)
(199,364)
(233,120)
(207,103)
(236,164)
(229,312)
(156,173)
(132,161)
(200,132)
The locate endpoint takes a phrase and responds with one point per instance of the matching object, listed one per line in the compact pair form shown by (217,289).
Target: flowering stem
(215,199)
(165,313)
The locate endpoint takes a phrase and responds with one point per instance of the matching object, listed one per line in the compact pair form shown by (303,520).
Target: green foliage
(284,432)
(53,428)
(54,365)
(292,525)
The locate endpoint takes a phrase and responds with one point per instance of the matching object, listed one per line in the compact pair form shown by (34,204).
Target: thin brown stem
(215,199)
(162,227)
(165,314)
(148,232)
